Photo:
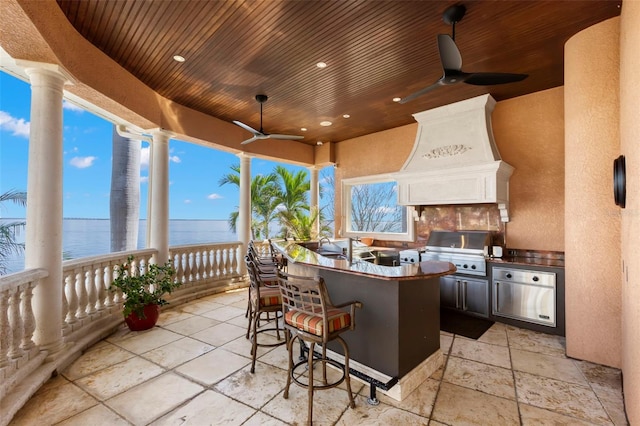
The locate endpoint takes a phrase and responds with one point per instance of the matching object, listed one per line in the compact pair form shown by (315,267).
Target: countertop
(531,261)
(297,254)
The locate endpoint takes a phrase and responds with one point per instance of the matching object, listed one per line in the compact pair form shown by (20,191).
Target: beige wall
(373,154)
(592,219)
(529,133)
(630,147)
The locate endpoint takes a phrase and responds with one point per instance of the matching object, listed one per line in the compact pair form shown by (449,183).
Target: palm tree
(292,200)
(8,243)
(263,204)
(125,193)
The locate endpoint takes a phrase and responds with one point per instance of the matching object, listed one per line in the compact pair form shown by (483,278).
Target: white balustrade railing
(86,296)
(198,262)
(90,310)
(17,324)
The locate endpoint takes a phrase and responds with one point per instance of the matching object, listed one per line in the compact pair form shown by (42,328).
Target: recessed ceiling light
(396,99)
(345,116)
(304,129)
(325,123)
(319,143)
(321,65)
(179,58)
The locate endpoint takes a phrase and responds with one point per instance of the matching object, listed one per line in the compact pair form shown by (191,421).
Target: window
(370,208)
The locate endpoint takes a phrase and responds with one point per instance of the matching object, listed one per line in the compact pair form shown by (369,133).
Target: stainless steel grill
(468,289)
(465,249)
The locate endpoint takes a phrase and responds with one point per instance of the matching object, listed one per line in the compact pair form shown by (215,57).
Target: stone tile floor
(193,368)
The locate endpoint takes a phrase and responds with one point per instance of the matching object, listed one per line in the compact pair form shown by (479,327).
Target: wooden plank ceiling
(374,51)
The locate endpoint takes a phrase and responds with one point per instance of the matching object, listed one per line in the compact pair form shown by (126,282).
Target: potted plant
(144,289)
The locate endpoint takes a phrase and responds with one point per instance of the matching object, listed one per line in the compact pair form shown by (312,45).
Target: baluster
(199,263)
(92,296)
(28,318)
(187,271)
(16,325)
(207,258)
(110,295)
(81,288)
(72,297)
(218,263)
(65,302)
(225,261)
(102,290)
(4,328)
(180,267)
(204,254)
(234,261)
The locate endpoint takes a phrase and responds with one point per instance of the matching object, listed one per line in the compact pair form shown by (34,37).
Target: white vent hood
(455,159)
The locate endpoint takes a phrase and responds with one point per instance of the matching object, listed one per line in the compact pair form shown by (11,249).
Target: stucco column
(158,212)
(592,220)
(43,240)
(314,191)
(244,214)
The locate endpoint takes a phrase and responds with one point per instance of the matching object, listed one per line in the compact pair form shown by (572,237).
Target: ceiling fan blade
(449,53)
(247,128)
(421,92)
(285,137)
(253,139)
(491,78)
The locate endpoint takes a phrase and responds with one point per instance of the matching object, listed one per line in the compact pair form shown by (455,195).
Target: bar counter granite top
(298,254)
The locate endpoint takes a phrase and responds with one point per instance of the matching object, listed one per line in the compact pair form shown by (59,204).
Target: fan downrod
(453,15)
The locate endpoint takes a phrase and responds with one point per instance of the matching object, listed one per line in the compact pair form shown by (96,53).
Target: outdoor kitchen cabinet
(468,295)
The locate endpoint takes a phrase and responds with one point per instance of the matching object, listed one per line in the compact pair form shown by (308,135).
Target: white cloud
(214,196)
(144,157)
(187,201)
(175,159)
(17,126)
(144,179)
(71,106)
(83,162)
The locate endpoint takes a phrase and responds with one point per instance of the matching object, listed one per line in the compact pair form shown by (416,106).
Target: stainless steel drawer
(525,302)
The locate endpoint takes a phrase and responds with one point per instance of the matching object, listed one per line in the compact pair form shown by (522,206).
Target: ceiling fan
(260,134)
(452,61)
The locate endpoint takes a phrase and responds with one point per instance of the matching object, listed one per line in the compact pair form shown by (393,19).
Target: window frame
(345,229)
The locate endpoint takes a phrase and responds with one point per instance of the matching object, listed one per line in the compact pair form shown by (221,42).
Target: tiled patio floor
(193,368)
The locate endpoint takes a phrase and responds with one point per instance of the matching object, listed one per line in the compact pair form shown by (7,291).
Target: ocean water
(91,237)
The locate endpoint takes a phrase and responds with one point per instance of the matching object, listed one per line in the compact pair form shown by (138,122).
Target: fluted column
(244,215)
(43,241)
(314,190)
(158,212)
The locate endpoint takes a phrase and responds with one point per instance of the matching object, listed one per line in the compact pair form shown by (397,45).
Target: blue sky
(194,171)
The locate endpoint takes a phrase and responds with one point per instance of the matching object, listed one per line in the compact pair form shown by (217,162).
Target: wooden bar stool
(310,317)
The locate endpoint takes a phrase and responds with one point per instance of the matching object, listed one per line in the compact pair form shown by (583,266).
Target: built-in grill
(465,249)
(468,289)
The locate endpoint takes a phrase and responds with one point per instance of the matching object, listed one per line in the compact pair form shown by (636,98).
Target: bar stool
(310,317)
(266,266)
(264,297)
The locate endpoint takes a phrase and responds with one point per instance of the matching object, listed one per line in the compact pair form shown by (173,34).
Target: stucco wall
(592,230)
(630,147)
(529,133)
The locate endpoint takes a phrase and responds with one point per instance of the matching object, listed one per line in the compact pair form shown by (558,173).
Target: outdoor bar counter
(398,328)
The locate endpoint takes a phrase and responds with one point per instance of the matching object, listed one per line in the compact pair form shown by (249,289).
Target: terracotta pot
(151,313)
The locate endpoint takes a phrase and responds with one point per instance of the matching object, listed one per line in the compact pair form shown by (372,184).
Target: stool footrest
(325,386)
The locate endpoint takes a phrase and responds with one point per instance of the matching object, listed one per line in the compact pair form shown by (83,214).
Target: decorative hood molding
(455,159)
